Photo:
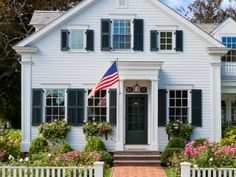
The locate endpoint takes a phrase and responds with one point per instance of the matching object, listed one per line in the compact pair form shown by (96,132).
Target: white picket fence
(188,171)
(94,171)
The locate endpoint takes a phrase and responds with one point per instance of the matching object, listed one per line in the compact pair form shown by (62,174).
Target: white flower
(195,166)
(211,159)
(21,160)
(10,157)
(26,159)
(176,127)
(49,155)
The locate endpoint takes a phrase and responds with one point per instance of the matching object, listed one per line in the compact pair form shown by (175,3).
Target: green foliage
(97,129)
(107,172)
(39,144)
(179,129)
(94,144)
(106,157)
(229,136)
(176,143)
(168,153)
(10,144)
(55,131)
(60,148)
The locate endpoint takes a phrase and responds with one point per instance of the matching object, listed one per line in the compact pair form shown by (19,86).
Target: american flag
(110,78)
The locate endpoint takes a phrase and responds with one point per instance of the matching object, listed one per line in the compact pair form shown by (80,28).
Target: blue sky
(184,3)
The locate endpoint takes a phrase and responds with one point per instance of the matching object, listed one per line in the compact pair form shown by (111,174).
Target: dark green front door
(136,119)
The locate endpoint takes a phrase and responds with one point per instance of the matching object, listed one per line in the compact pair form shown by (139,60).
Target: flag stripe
(110,78)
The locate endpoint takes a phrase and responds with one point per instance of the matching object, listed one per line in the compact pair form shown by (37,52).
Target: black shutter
(105,34)
(75,106)
(65,40)
(153,40)
(179,41)
(112,106)
(90,40)
(37,107)
(138,35)
(197,108)
(162,107)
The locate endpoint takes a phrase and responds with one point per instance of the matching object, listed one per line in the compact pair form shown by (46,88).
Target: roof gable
(224,24)
(85,4)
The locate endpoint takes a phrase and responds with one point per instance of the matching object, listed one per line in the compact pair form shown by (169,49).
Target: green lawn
(168,172)
(107,172)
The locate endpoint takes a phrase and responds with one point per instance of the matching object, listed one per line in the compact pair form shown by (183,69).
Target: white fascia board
(62,19)
(221,51)
(23,50)
(183,20)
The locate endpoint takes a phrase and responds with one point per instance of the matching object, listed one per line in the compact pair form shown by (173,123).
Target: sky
(184,3)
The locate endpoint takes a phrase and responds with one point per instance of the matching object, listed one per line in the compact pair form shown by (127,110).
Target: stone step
(137,162)
(136,153)
(136,157)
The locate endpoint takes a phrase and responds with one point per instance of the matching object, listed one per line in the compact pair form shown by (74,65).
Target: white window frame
(45,99)
(83,28)
(131,34)
(173,41)
(107,105)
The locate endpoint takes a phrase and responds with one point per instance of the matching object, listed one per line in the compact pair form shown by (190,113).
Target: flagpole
(118,75)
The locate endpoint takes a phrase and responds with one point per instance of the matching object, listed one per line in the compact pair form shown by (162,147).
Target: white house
(175,65)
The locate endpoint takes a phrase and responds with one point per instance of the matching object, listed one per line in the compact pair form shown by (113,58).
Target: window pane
(166,41)
(77,39)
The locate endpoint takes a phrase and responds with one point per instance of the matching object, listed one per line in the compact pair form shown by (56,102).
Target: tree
(14,26)
(209,11)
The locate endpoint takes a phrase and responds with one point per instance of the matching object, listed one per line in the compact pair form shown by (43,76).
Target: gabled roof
(228,20)
(207,27)
(86,3)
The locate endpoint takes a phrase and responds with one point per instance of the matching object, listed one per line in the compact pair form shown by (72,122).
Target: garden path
(137,171)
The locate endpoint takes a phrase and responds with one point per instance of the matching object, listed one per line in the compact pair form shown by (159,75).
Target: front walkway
(137,171)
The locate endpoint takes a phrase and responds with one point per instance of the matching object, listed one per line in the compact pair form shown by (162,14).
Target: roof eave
(220,51)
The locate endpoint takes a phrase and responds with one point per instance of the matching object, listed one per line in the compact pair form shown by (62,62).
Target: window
(166,40)
(229,42)
(233,111)
(55,104)
(178,105)
(97,106)
(122,35)
(77,40)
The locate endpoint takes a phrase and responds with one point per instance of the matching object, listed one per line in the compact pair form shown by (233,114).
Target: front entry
(136,118)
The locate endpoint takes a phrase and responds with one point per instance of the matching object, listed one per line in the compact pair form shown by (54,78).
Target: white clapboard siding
(52,67)
(93,171)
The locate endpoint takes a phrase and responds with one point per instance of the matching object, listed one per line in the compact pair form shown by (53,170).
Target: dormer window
(229,41)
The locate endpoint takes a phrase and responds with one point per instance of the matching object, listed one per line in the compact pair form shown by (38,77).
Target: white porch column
(154,115)
(26,95)
(216,100)
(120,118)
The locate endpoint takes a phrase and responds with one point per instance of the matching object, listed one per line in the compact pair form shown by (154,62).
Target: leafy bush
(176,143)
(229,136)
(88,158)
(94,144)
(179,129)
(168,153)
(39,144)
(10,144)
(106,157)
(60,148)
(55,131)
(97,129)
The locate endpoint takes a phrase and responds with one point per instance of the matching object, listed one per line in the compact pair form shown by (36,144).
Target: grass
(107,172)
(169,172)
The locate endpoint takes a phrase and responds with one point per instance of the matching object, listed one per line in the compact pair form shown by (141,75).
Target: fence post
(185,169)
(98,168)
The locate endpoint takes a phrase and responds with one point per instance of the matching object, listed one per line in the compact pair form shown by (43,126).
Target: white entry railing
(187,171)
(228,69)
(94,171)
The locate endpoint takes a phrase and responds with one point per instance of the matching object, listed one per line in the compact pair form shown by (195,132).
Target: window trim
(189,102)
(131,34)
(173,41)
(107,104)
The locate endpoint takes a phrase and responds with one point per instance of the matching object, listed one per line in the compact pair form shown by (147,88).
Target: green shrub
(39,144)
(55,131)
(60,148)
(229,136)
(176,143)
(199,142)
(94,144)
(168,153)
(106,157)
